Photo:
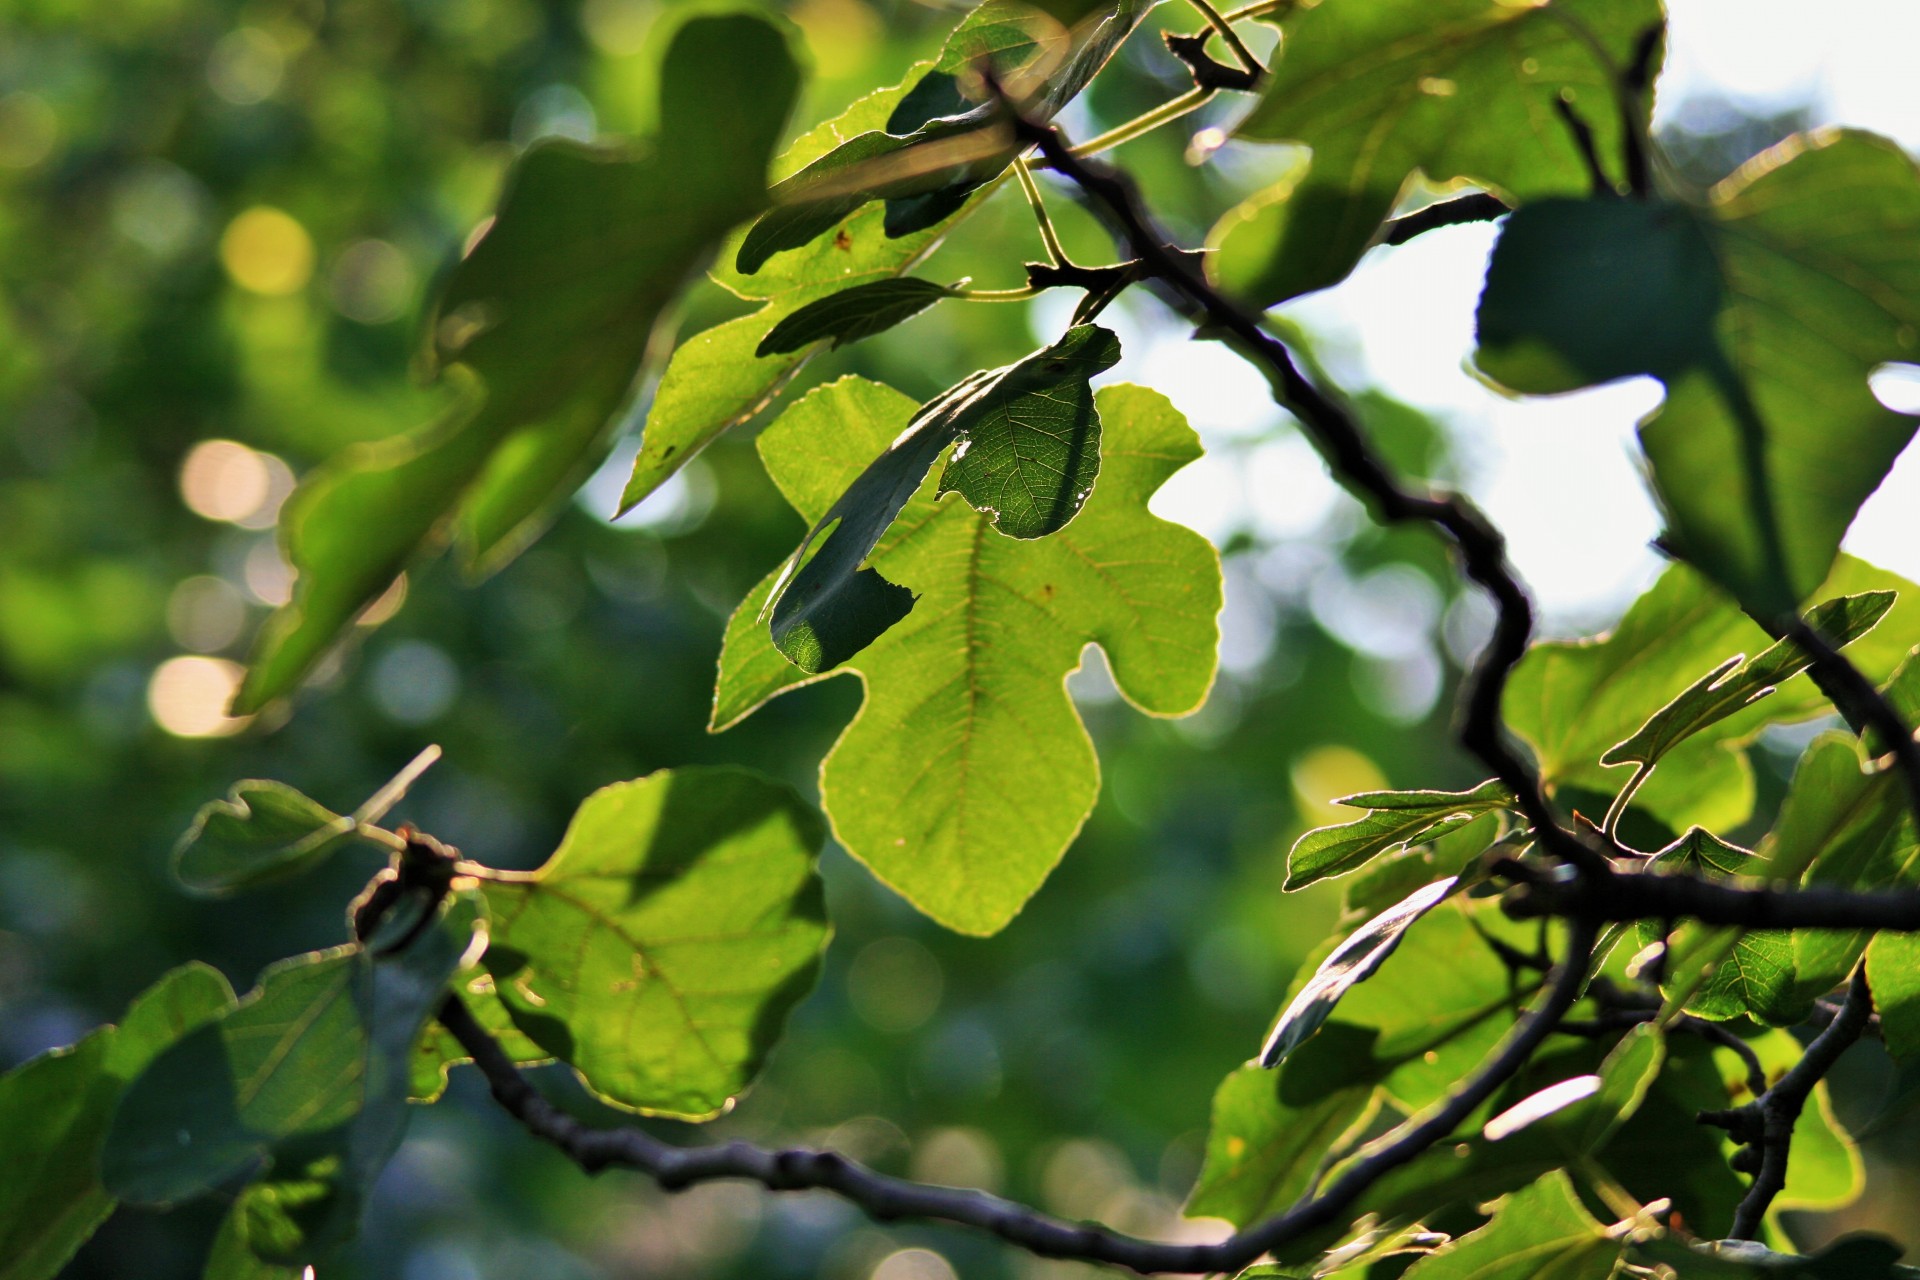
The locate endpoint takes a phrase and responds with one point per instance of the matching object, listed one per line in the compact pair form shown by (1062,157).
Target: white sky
(1560,475)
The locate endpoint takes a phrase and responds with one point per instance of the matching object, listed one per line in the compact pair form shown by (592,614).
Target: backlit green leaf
(549,317)
(1763,312)
(54,1111)
(1458,91)
(661,947)
(967,773)
(1026,449)
(1541,1232)
(1397,818)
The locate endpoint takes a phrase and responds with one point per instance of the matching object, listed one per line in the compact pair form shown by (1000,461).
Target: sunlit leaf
(1541,1232)
(1397,817)
(967,773)
(1763,312)
(1893,971)
(549,317)
(661,947)
(1458,91)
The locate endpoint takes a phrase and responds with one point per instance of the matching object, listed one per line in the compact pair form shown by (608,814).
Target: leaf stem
(998,295)
(1168,111)
(1048,236)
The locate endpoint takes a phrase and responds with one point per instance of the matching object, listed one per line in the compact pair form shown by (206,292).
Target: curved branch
(1338,437)
(886,1197)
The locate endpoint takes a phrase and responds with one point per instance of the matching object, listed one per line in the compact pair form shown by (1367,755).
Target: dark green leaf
(661,947)
(853,314)
(320,1045)
(262,832)
(233,1256)
(1584,1112)
(1852,1257)
(1456,91)
(1027,440)
(1763,312)
(1541,1232)
(968,772)
(550,317)
(1739,972)
(1269,1139)
(54,1112)
(1353,961)
(1397,817)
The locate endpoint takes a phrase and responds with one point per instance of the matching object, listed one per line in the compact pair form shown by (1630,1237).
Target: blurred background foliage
(218,225)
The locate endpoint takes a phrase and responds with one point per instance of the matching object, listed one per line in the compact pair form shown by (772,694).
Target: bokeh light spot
(189,696)
(267,252)
(414,682)
(225,480)
(246,66)
(206,614)
(371,282)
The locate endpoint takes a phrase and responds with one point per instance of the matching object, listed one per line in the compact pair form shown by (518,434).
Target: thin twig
(1172,109)
(1632,893)
(1478,207)
(885,1197)
(1224,29)
(1779,1108)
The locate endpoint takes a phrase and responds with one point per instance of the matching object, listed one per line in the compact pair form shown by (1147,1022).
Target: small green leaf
(718,379)
(1893,971)
(1353,961)
(1397,818)
(1454,851)
(1541,1232)
(661,947)
(967,773)
(54,1111)
(853,314)
(233,1256)
(1584,1112)
(1763,312)
(1455,91)
(548,318)
(1731,973)
(1027,449)
(1269,1140)
(937,147)
(1736,685)
(262,832)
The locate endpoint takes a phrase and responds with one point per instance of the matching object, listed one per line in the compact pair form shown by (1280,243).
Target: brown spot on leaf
(843,242)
